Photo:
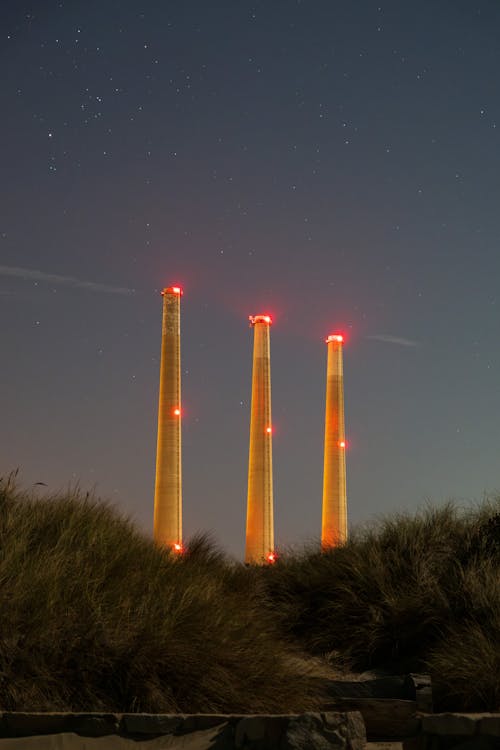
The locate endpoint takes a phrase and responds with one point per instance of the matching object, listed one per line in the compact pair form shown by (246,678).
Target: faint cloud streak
(29,274)
(399,341)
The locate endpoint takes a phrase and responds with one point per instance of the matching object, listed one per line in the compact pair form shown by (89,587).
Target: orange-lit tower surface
(260,522)
(334,517)
(168,486)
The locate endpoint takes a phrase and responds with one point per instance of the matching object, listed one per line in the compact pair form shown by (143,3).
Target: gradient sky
(334,163)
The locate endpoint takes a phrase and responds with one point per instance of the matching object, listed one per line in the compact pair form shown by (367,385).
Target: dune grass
(95,617)
(411,593)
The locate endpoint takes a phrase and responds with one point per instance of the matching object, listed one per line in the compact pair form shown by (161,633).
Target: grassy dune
(406,594)
(93,616)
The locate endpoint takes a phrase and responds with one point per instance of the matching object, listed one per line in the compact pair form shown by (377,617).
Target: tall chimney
(334,517)
(168,486)
(260,522)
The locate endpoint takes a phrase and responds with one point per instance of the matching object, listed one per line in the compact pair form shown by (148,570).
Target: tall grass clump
(406,594)
(94,616)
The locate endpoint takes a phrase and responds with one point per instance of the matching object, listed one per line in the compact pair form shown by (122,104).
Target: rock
(259,732)
(331,730)
(309,731)
(420,690)
(393,686)
(475,743)
(490,724)
(150,723)
(355,730)
(89,725)
(450,724)
(384,718)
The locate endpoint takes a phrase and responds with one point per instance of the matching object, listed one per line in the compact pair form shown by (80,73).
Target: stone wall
(310,731)
(458,731)
(342,730)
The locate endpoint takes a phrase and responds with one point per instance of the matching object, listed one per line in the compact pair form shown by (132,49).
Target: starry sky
(334,163)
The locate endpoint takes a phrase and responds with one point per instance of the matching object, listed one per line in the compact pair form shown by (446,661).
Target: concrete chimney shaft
(260,520)
(168,485)
(334,516)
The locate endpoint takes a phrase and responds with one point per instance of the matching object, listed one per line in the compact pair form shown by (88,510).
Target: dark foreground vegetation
(94,617)
(409,594)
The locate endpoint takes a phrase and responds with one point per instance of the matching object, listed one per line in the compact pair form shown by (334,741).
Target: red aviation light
(177,548)
(271,558)
(269,430)
(335,337)
(173,290)
(177,412)
(342,444)
(260,319)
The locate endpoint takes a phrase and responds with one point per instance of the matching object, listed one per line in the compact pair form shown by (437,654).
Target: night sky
(333,163)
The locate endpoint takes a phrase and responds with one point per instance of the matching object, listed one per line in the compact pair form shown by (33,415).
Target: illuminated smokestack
(260,522)
(168,485)
(334,518)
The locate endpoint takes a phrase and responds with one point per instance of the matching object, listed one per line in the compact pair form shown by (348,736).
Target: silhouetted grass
(465,661)
(93,616)
(406,594)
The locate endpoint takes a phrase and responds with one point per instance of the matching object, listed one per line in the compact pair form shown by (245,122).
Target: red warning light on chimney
(173,290)
(335,337)
(260,319)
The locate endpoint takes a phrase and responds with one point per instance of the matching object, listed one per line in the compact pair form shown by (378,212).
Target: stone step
(385,719)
